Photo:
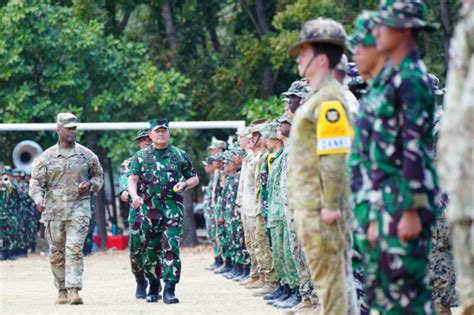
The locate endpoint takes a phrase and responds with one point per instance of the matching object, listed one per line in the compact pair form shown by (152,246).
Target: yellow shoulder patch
(334,133)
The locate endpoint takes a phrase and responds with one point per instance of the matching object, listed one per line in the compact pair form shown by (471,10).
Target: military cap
(257,125)
(159,123)
(283,119)
(66,120)
(227,158)
(239,152)
(320,30)
(219,157)
(243,131)
(270,130)
(142,134)
(7,169)
(217,144)
(364,24)
(18,172)
(298,88)
(404,14)
(342,65)
(434,81)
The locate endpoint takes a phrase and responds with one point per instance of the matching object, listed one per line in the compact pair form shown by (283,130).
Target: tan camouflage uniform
(455,150)
(55,178)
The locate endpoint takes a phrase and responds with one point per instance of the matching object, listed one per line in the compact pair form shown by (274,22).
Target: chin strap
(307,66)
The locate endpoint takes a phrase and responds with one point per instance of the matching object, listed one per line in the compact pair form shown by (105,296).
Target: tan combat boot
(248,281)
(62,297)
(73,296)
(442,309)
(305,305)
(266,289)
(257,284)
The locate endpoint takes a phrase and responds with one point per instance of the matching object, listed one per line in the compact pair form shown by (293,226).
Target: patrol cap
(257,125)
(217,144)
(320,30)
(364,24)
(284,119)
(7,169)
(342,65)
(66,120)
(208,160)
(270,130)
(142,134)
(159,123)
(238,151)
(219,157)
(298,88)
(404,14)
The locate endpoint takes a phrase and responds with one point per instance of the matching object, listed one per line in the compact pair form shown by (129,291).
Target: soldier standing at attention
(320,140)
(404,182)
(61,181)
(455,152)
(136,244)
(158,175)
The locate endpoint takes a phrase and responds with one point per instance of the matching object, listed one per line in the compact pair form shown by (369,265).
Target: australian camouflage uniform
(159,170)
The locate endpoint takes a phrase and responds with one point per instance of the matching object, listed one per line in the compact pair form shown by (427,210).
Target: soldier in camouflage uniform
(455,151)
(136,241)
(158,175)
(317,183)
(295,96)
(403,184)
(61,182)
(8,215)
(369,64)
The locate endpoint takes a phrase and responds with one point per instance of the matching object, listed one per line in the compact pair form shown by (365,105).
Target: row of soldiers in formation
(337,204)
(18,217)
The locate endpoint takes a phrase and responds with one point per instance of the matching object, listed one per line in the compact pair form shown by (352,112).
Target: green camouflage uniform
(8,218)
(55,178)
(455,152)
(159,170)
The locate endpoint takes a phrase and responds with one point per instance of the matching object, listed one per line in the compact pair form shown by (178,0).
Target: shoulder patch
(334,133)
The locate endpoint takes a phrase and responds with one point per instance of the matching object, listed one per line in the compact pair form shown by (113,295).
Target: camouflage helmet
(298,88)
(404,14)
(142,134)
(257,125)
(320,30)
(270,130)
(217,144)
(243,131)
(364,24)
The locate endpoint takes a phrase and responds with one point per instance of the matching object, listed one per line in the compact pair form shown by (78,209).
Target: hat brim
(399,23)
(295,49)
(160,126)
(69,125)
(140,137)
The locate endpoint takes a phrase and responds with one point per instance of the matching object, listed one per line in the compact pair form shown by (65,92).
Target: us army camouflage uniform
(159,170)
(55,178)
(455,151)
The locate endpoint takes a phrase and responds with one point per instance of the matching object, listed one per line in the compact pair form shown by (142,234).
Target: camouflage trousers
(285,265)
(306,288)
(441,266)
(162,240)
(324,247)
(261,244)
(222,231)
(211,226)
(136,248)
(463,244)
(66,239)
(238,252)
(397,272)
(246,224)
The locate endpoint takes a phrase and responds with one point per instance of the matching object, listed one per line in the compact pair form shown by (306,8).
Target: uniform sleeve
(124,170)
(96,174)
(240,192)
(187,168)
(332,179)
(415,100)
(38,181)
(134,166)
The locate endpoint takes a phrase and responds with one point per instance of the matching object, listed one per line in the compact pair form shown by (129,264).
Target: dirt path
(26,286)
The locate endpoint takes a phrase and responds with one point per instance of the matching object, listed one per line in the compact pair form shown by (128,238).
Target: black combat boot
(153,295)
(227,266)
(293,300)
(283,296)
(168,294)
(245,274)
(217,263)
(238,271)
(142,284)
(274,294)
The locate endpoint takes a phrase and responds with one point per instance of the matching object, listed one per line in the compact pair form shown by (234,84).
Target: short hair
(333,52)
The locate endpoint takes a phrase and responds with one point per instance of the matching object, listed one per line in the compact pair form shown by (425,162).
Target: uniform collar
(58,149)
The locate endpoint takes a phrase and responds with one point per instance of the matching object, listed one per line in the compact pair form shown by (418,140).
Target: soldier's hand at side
(84,187)
(137,202)
(409,227)
(124,196)
(329,216)
(372,232)
(180,187)
(41,205)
